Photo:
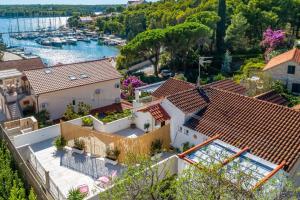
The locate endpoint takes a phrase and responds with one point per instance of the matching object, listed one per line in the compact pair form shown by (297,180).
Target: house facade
(286,68)
(13,85)
(96,83)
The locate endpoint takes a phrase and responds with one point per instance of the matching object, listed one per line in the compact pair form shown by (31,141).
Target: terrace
(69,170)
(66,168)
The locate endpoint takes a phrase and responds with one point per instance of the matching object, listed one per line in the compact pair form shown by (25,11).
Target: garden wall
(140,145)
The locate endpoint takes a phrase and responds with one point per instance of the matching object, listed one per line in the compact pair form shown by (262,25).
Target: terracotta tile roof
(273,97)
(272,132)
(292,55)
(116,107)
(172,86)
(228,85)
(22,65)
(296,108)
(157,111)
(189,101)
(71,75)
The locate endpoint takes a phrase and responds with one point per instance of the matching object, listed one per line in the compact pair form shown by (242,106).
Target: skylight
(72,77)
(82,76)
(48,71)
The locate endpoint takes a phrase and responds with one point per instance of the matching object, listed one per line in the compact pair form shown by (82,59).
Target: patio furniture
(84,189)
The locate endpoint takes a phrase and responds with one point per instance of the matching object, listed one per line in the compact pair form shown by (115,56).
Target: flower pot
(110,161)
(75,150)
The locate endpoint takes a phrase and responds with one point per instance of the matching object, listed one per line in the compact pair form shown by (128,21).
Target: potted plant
(87,122)
(112,156)
(156,149)
(75,194)
(60,142)
(146,126)
(79,146)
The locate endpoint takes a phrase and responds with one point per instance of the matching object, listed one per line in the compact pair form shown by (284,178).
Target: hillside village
(148,125)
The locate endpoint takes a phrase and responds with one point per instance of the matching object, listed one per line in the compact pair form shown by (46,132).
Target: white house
(286,68)
(96,83)
(269,131)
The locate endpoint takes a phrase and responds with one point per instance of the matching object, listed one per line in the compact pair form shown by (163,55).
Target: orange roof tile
(228,85)
(292,55)
(273,97)
(59,77)
(272,132)
(172,86)
(157,111)
(22,65)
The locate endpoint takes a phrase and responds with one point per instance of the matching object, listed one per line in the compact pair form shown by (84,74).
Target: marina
(51,39)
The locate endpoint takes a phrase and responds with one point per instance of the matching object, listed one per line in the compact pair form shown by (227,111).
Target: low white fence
(42,173)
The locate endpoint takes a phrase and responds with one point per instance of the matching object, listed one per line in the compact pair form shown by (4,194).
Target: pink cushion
(83,188)
(104,179)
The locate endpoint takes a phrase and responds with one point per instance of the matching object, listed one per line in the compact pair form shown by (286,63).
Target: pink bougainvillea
(129,84)
(272,39)
(133,81)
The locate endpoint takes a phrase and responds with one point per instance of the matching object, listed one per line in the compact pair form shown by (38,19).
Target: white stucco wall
(142,118)
(58,101)
(117,125)
(280,73)
(177,118)
(37,136)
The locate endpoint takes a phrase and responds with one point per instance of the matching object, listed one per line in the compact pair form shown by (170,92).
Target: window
(186,132)
(83,76)
(72,77)
(117,85)
(296,87)
(44,106)
(180,129)
(73,102)
(291,69)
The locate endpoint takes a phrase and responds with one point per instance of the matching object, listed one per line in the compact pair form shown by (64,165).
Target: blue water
(53,55)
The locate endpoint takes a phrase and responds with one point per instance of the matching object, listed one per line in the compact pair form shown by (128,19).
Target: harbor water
(82,51)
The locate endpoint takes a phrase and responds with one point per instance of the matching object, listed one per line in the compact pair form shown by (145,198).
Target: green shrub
(87,121)
(75,194)
(156,147)
(146,126)
(186,146)
(60,142)
(115,116)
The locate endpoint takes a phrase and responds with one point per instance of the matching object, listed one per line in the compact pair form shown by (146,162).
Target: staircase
(14,110)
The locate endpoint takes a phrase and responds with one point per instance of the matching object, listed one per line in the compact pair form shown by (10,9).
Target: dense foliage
(52,10)
(11,187)
(234,25)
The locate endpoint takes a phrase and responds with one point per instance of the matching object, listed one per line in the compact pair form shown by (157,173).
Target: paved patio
(130,132)
(69,170)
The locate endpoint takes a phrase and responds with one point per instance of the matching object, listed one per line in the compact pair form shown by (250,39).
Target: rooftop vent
(83,76)
(72,77)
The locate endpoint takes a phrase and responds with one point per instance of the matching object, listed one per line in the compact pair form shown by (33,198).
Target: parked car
(166,73)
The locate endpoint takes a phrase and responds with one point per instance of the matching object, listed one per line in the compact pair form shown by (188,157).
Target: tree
(74,22)
(226,68)
(17,192)
(236,32)
(146,45)
(180,39)
(32,195)
(221,28)
(145,180)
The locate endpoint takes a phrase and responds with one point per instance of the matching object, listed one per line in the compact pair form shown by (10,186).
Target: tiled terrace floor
(71,170)
(130,132)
